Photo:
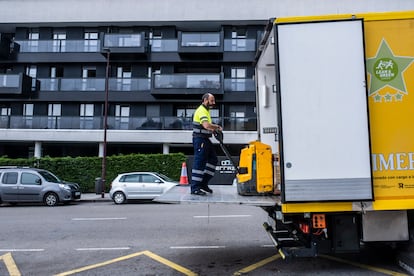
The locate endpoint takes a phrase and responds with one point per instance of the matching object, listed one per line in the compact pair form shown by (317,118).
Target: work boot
(206,189)
(198,192)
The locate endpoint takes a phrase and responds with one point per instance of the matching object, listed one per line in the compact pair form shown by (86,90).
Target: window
(59,43)
(238,79)
(54,113)
(88,83)
(155,40)
(33,43)
(5,111)
(147,178)
(123,81)
(86,116)
(53,84)
(122,116)
(31,71)
(238,40)
(28,114)
(56,72)
(91,41)
(30,179)
(10,178)
(130,178)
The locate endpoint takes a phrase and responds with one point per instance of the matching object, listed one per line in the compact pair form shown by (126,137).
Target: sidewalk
(92,197)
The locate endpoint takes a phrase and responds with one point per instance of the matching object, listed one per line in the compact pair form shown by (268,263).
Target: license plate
(77,193)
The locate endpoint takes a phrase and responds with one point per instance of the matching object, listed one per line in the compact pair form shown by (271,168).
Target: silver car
(139,185)
(35,185)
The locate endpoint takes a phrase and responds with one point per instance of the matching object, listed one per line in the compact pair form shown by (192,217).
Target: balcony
(59,46)
(201,44)
(15,84)
(186,84)
(94,84)
(120,123)
(129,45)
(239,85)
(240,45)
(164,45)
(5,49)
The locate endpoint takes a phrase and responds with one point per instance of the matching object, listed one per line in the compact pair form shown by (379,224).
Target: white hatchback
(139,185)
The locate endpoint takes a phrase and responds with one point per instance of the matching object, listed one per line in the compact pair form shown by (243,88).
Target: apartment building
(67,67)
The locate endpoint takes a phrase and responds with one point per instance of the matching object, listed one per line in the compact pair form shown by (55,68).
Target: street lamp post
(105,124)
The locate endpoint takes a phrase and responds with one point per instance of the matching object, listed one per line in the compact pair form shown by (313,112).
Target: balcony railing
(164,45)
(200,39)
(94,84)
(240,45)
(59,46)
(184,81)
(239,85)
(120,123)
(123,40)
(173,81)
(133,40)
(16,84)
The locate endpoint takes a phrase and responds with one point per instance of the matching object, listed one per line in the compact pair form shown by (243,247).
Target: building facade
(63,62)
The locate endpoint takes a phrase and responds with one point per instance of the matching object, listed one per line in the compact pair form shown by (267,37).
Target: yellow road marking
(256,265)
(368,267)
(10,264)
(149,254)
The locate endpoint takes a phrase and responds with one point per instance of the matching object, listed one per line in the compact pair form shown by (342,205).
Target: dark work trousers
(205,161)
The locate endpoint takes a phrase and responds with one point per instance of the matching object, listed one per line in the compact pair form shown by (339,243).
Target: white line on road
(97,218)
(22,250)
(102,248)
(198,247)
(224,216)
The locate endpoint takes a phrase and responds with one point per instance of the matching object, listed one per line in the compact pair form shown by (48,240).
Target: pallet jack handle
(218,135)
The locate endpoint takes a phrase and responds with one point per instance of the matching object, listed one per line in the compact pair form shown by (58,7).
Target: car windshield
(50,177)
(164,177)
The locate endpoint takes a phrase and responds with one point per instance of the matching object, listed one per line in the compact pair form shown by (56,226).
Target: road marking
(224,216)
(10,264)
(198,247)
(78,219)
(22,250)
(256,265)
(102,248)
(368,267)
(149,254)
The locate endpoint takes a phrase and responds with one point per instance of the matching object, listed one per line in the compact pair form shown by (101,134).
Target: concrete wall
(43,11)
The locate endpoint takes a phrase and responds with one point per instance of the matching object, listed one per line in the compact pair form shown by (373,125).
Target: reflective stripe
(211,166)
(198,179)
(209,172)
(197,171)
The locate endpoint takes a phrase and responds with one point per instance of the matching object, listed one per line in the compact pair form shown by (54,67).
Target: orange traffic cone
(183,177)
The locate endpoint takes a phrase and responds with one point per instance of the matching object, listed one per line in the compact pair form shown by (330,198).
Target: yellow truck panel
(389,47)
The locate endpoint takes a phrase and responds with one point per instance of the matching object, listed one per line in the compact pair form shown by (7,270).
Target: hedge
(84,170)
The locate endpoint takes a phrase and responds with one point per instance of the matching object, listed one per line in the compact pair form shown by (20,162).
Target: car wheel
(119,198)
(51,199)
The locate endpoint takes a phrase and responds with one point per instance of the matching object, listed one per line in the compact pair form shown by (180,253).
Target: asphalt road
(101,238)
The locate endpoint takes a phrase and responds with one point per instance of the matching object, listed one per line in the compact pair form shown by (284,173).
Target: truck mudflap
(221,194)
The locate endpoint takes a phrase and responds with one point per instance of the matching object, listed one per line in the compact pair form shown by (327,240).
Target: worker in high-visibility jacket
(205,158)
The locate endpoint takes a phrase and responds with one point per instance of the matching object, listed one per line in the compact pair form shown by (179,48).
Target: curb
(91,197)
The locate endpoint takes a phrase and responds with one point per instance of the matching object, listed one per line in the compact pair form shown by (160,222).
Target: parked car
(18,184)
(139,185)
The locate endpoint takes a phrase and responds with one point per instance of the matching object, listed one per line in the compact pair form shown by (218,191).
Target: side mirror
(38,181)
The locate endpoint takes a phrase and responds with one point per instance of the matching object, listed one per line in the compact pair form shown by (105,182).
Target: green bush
(84,170)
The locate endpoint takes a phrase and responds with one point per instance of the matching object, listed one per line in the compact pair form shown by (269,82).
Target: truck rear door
(322,111)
